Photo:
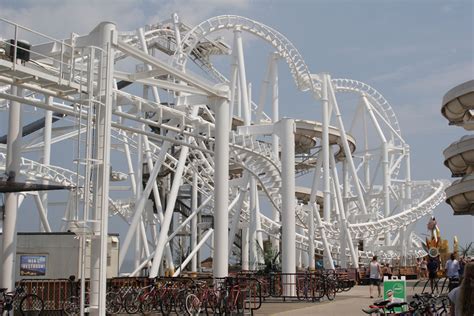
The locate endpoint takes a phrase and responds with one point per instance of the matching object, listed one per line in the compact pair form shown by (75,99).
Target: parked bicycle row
(186,295)
(18,300)
(308,285)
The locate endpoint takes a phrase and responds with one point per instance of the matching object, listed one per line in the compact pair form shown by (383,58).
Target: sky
(412,52)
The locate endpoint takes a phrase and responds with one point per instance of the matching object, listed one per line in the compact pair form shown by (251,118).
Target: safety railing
(18,48)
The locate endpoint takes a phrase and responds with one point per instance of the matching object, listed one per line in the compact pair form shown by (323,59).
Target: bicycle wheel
(330,288)
(166,304)
(72,306)
(180,303)
(239,303)
(112,303)
(301,289)
(31,304)
(220,303)
(211,303)
(131,303)
(193,305)
(147,304)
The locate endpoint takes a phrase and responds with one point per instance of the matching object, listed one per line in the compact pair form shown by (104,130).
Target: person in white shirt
(375,274)
(452,272)
(452,267)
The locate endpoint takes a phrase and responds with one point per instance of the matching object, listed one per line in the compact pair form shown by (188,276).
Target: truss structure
(201,162)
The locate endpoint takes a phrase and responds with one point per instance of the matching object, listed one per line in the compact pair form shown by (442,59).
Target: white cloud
(60,17)
(440,79)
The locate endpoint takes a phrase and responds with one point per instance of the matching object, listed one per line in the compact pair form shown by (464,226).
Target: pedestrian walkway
(345,304)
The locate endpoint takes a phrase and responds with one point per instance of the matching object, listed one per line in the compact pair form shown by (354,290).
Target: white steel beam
(325,148)
(165,224)
(194,203)
(242,76)
(42,214)
(138,54)
(288,252)
(342,215)
(12,168)
(347,150)
(194,251)
(221,188)
(48,120)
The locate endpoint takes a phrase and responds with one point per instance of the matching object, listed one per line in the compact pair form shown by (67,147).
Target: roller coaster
(168,136)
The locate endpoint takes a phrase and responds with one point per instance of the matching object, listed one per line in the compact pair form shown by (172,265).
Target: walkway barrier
(309,285)
(243,291)
(53,292)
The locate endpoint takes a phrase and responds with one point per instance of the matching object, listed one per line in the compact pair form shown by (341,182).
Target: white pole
(386,187)
(101,189)
(408,177)
(287,136)
(221,188)
(325,149)
(245,247)
(48,121)
(14,138)
(194,203)
(233,87)
(311,252)
(263,89)
(42,214)
(253,225)
(242,76)
(275,138)
(312,199)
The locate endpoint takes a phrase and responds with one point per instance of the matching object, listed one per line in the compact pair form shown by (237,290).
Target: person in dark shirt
(433,267)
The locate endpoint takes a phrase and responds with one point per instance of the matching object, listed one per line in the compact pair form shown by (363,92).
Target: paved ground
(346,304)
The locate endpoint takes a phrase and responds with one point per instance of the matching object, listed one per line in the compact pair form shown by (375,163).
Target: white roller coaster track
(256,157)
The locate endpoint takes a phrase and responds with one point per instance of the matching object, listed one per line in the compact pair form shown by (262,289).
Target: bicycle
(29,304)
(202,297)
(429,304)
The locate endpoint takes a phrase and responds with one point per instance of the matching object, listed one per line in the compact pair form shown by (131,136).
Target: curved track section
(282,45)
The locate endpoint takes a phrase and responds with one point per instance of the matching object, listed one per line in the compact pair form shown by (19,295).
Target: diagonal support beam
(150,60)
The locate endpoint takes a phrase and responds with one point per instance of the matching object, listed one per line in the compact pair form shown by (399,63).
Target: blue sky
(410,51)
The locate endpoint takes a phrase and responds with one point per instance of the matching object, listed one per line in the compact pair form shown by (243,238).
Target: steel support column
(14,138)
(286,129)
(48,121)
(221,188)
(194,203)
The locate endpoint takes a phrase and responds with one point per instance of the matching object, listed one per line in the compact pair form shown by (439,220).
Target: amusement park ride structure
(200,146)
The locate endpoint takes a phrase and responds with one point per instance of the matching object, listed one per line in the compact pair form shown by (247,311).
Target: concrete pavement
(345,304)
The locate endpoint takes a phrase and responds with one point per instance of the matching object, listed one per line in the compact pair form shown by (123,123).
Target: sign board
(395,289)
(32,265)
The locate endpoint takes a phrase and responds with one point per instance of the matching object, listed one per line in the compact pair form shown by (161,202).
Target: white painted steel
(192,139)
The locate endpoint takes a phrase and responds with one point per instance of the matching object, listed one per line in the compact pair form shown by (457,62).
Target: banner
(394,290)
(32,265)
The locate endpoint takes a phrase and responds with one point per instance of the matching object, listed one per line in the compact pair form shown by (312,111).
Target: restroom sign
(32,265)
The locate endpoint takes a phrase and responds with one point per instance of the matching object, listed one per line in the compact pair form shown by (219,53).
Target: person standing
(424,268)
(375,274)
(462,297)
(387,271)
(418,267)
(433,267)
(452,272)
